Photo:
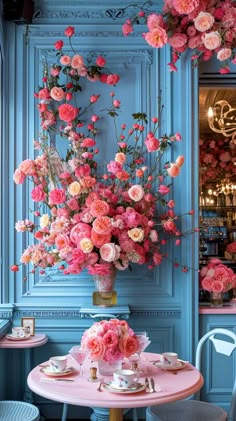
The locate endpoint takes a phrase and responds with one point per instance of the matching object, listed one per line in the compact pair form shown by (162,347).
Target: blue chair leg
(64,412)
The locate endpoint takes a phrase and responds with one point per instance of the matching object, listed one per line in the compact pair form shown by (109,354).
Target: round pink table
(26,345)
(82,392)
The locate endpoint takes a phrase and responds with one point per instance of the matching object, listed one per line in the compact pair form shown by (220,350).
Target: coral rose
(57,93)
(102,225)
(67,112)
(156,38)
(128,345)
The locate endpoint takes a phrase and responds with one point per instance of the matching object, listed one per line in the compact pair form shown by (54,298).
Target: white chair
(195,410)
(18,411)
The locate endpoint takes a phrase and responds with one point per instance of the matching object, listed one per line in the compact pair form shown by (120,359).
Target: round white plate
(47,370)
(15,338)
(178,366)
(136,388)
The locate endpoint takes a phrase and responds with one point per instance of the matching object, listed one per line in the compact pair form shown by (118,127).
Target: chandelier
(222,119)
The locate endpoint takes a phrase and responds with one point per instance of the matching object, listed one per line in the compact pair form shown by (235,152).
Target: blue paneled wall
(163,302)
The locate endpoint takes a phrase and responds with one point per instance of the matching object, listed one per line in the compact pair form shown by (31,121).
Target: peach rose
(136,234)
(173,170)
(27,167)
(100,239)
(110,252)
(57,93)
(156,38)
(86,245)
(212,40)
(154,21)
(184,7)
(99,208)
(179,160)
(18,177)
(74,188)
(224,54)
(96,347)
(62,241)
(136,192)
(204,21)
(128,345)
(102,225)
(77,61)
(120,157)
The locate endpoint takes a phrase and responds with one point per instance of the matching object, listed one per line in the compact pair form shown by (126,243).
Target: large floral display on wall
(89,215)
(204,28)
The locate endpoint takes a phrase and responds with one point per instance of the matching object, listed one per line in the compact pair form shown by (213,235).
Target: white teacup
(58,364)
(18,332)
(169,358)
(125,378)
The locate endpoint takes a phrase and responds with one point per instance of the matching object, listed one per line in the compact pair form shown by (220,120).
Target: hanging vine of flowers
(205,28)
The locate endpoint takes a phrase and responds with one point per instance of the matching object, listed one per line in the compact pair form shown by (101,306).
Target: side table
(26,345)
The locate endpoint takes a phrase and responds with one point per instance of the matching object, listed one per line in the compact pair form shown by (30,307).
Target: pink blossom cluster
(206,28)
(217,160)
(217,277)
(90,217)
(110,341)
(231,247)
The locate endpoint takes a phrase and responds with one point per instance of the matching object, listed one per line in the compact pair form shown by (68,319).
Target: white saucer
(178,366)
(138,387)
(47,370)
(15,338)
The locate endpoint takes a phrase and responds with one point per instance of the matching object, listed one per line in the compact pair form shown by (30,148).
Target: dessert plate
(138,387)
(15,338)
(47,370)
(178,366)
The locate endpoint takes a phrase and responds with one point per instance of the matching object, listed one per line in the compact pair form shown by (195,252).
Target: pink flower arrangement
(217,277)
(112,341)
(231,247)
(91,218)
(217,160)
(206,28)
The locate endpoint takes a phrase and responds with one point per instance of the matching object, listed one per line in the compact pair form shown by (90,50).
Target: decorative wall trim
(6,311)
(89,312)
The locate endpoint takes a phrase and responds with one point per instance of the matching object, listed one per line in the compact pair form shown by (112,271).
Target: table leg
(116,414)
(28,394)
(64,412)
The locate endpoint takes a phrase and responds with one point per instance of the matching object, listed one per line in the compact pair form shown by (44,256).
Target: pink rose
(102,225)
(79,231)
(100,61)
(207,283)
(155,21)
(211,40)
(194,42)
(217,286)
(27,167)
(99,208)
(127,29)
(57,197)
(177,40)
(185,7)
(58,45)
(69,31)
(100,239)
(163,189)
(114,167)
(67,112)
(62,241)
(204,21)
(88,142)
(38,194)
(96,347)
(152,144)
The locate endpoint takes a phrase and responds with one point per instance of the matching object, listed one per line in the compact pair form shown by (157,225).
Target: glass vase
(105,295)
(107,369)
(216,299)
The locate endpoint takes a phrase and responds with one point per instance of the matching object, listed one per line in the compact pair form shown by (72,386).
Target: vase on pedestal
(107,369)
(216,299)
(104,294)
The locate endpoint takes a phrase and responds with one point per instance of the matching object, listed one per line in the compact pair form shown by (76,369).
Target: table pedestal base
(116,414)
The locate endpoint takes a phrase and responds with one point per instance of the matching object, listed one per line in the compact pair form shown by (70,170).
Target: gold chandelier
(222,119)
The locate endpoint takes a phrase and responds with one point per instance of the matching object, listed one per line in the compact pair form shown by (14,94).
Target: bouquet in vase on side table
(110,342)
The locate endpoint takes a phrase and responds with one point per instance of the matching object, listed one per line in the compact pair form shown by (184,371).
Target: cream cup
(169,358)
(58,364)
(125,378)
(18,332)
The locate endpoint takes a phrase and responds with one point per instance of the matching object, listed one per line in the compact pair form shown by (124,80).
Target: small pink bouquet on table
(110,341)
(217,279)
(230,252)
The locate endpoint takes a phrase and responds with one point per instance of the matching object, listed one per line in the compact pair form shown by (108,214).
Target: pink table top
(82,392)
(31,342)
